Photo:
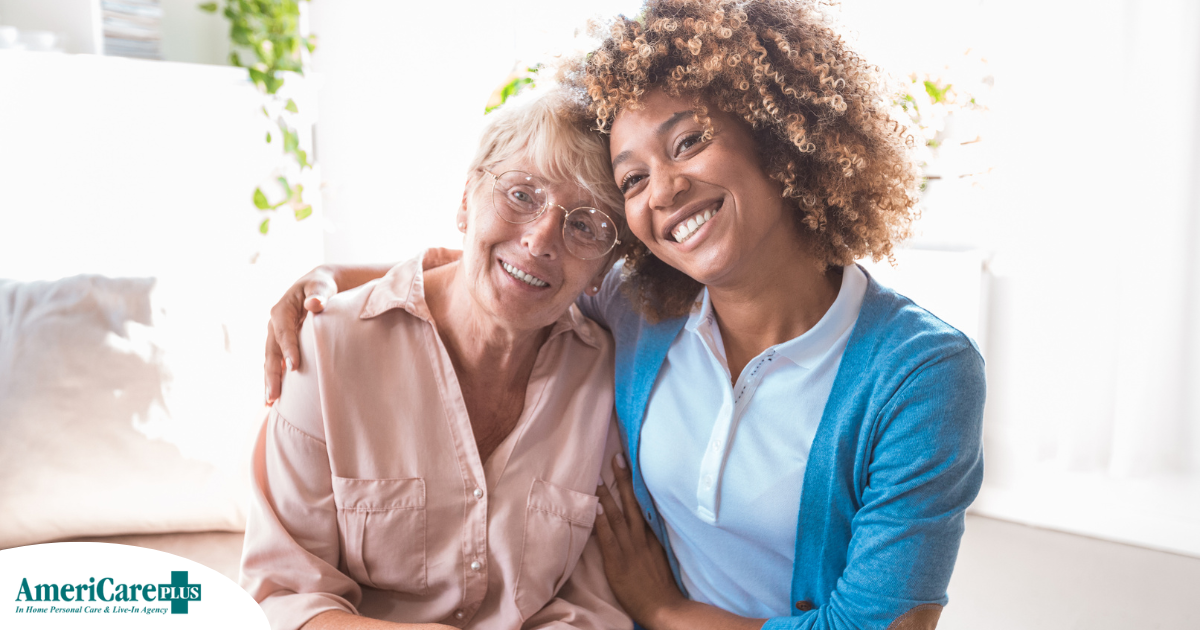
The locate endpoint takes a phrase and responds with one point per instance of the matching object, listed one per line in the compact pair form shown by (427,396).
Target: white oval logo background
(221,601)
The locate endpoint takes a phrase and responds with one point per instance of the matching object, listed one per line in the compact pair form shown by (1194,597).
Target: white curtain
(1093,421)
(1091,225)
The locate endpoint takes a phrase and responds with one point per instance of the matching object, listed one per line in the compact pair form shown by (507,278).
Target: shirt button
(708,482)
(476,565)
(804,605)
(459,614)
(478,493)
(716,445)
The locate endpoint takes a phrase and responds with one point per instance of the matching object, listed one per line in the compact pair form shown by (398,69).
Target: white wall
(75,21)
(403,87)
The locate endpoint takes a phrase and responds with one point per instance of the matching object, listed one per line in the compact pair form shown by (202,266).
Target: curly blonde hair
(819,113)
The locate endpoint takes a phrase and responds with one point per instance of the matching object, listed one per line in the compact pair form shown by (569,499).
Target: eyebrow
(663,128)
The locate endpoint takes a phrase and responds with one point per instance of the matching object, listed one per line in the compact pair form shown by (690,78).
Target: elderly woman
(802,442)
(434,457)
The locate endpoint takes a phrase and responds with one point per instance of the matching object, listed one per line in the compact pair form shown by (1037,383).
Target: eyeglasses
(519,198)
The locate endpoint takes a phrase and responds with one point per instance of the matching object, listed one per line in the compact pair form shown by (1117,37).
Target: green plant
(516,83)
(947,107)
(269,32)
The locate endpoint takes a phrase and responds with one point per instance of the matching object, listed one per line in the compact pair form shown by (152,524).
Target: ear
(595,283)
(460,217)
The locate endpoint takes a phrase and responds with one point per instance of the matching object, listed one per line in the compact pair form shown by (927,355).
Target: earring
(595,289)
(462,226)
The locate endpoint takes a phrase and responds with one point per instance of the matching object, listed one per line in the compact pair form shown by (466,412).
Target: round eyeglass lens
(519,197)
(589,233)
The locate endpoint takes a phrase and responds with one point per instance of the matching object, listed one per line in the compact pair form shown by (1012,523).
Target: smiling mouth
(529,279)
(686,229)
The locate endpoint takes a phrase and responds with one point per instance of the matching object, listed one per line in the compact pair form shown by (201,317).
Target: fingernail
(288,361)
(599,509)
(620,460)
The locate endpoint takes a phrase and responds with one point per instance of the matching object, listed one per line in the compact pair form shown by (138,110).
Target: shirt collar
(809,347)
(403,286)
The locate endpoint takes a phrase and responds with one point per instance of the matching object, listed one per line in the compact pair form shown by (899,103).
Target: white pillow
(123,410)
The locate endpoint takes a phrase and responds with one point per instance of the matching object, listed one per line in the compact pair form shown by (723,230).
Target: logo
(178,593)
(133,588)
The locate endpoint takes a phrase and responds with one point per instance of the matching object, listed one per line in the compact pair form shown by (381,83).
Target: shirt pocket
(558,522)
(382,524)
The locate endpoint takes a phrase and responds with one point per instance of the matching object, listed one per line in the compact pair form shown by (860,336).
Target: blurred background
(156,200)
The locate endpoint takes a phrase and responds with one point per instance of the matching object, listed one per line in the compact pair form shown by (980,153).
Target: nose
(543,237)
(666,184)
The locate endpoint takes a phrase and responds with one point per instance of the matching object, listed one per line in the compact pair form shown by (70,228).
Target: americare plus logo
(178,593)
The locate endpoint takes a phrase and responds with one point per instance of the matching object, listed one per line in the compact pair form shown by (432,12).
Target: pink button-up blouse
(370,496)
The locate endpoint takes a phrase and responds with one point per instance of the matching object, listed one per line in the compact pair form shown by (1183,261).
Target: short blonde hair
(550,128)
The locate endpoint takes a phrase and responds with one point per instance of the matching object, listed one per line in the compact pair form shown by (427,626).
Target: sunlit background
(1059,227)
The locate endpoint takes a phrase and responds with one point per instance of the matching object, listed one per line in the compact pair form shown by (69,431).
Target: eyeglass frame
(545,206)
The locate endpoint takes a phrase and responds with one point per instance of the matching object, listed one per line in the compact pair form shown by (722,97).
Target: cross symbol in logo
(178,592)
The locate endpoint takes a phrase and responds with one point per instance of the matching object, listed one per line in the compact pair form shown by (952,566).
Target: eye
(630,180)
(689,141)
(524,198)
(582,229)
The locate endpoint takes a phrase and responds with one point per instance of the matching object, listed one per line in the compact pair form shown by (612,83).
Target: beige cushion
(122,411)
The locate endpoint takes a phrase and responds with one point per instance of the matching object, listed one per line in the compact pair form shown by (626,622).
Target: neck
(481,348)
(765,309)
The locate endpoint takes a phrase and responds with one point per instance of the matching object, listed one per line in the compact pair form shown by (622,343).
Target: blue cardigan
(896,460)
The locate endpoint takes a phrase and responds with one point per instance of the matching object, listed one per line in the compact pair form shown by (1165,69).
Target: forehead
(655,109)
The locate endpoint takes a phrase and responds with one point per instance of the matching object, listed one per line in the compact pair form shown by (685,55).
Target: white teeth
(686,229)
(523,277)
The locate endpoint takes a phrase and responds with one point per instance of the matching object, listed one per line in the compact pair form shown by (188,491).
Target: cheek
(640,220)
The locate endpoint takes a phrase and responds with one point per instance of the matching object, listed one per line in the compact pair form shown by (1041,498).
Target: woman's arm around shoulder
(307,295)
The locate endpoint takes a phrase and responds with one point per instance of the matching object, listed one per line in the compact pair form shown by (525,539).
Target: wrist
(667,615)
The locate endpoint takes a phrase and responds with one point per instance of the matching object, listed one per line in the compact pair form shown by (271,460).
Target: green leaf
(937,94)
(260,200)
(234,59)
(210,7)
(287,188)
(264,226)
(303,212)
(268,137)
(291,141)
(291,106)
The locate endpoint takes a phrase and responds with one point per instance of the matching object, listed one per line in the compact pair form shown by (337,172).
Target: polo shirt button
(459,614)
(804,605)
(476,565)
(478,493)
(649,516)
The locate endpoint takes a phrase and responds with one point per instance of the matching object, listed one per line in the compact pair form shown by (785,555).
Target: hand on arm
(308,294)
(638,571)
(342,620)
